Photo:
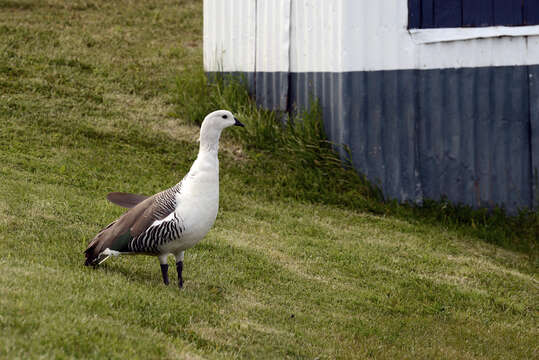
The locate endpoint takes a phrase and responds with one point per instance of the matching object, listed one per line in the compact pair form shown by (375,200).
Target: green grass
(94,97)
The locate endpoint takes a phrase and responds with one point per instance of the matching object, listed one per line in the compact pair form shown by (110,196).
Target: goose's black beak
(237,123)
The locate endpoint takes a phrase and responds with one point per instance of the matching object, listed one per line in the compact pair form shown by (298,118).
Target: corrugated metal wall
(458,119)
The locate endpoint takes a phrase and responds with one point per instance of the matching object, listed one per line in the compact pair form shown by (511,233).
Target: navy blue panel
(469,138)
(430,132)
(375,151)
(472,136)
(272,90)
(508,12)
(357,109)
(447,13)
(427,14)
(511,121)
(398,121)
(477,13)
(453,159)
(483,135)
(534,128)
(531,12)
(414,14)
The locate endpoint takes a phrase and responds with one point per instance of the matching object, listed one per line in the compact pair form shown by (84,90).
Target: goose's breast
(197,208)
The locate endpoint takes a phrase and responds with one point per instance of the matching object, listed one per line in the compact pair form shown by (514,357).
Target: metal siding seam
(436,141)
(518,149)
(526,181)
(363,95)
(208,34)
(329,92)
(467,117)
(375,128)
(515,142)
(391,134)
(304,30)
(422,128)
(355,99)
(229,27)
(406,139)
(451,135)
(498,129)
(285,99)
(428,124)
(255,50)
(344,113)
(482,91)
(418,185)
(222,59)
(485,114)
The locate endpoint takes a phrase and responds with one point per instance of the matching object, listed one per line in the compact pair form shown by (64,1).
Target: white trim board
(428,36)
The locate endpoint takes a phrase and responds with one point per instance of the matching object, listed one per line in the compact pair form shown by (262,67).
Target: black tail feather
(91,256)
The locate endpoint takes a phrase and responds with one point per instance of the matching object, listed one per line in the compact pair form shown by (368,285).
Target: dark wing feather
(131,224)
(125,200)
(118,229)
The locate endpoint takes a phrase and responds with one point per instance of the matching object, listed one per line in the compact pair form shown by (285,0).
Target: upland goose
(173,220)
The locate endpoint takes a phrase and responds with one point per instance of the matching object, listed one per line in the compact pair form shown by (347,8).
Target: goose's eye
(224,116)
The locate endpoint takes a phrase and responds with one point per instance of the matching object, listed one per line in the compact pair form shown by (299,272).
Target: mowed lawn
(87,107)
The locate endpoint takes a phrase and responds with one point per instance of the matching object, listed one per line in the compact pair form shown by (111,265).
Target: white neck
(207,159)
(209,139)
(208,147)
(205,168)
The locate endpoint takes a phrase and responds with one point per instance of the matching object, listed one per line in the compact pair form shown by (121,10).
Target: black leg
(164,272)
(179,267)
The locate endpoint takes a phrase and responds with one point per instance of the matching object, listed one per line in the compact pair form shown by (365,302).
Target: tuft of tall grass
(295,159)
(293,148)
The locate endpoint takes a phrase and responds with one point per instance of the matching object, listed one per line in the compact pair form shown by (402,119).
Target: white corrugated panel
(229,35)
(533,47)
(316,35)
(273,35)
